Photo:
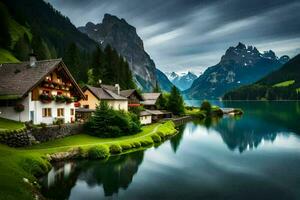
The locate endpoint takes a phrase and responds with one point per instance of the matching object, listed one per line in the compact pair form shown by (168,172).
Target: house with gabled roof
(109,94)
(150,100)
(38,91)
(133,96)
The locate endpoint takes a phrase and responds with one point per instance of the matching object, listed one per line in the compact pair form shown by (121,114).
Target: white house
(107,93)
(38,91)
(145,117)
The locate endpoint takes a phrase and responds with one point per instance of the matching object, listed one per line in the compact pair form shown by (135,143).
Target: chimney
(32,59)
(117,86)
(100,82)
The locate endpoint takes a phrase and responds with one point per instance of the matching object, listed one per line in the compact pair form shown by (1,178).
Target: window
(60,112)
(72,111)
(86,97)
(47,112)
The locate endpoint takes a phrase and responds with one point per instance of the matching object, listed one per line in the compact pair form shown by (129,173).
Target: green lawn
(6,56)
(6,124)
(17,164)
(86,141)
(285,83)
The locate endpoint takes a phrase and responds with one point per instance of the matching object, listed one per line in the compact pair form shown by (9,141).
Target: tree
(40,48)
(107,122)
(206,106)
(22,48)
(175,102)
(5,38)
(72,60)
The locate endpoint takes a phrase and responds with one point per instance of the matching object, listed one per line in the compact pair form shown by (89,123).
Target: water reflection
(238,158)
(113,174)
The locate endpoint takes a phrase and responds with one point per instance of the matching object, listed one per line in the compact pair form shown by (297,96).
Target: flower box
(46,98)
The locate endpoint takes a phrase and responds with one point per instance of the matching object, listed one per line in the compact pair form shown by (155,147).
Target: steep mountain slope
(44,21)
(163,81)
(184,81)
(282,84)
(123,37)
(239,66)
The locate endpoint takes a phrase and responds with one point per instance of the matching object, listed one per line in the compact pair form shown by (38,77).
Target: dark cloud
(192,35)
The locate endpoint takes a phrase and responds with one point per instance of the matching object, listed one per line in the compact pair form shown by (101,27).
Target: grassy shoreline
(20,167)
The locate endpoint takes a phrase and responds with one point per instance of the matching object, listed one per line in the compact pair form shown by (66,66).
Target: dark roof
(103,93)
(150,98)
(19,78)
(128,93)
(145,113)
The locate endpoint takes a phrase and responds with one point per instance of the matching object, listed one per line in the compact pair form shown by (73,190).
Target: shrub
(146,142)
(115,149)
(107,122)
(126,146)
(156,138)
(98,152)
(35,165)
(136,144)
(206,106)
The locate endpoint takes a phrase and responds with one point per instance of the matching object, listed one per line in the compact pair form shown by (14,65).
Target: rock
(123,37)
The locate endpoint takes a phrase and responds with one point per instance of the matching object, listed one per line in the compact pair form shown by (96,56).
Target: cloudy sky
(182,35)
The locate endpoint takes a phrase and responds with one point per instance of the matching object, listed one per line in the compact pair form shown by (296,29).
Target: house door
(32,116)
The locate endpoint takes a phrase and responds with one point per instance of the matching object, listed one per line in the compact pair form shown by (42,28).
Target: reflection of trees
(175,140)
(113,174)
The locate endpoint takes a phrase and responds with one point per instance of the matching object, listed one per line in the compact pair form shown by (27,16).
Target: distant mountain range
(123,37)
(163,81)
(282,84)
(182,81)
(241,65)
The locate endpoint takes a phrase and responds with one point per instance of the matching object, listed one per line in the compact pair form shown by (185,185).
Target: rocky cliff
(123,37)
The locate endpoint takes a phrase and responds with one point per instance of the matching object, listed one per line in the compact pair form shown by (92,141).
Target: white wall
(118,105)
(37,106)
(10,113)
(146,119)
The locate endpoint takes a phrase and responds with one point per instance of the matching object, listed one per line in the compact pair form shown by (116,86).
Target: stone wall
(52,132)
(15,139)
(25,137)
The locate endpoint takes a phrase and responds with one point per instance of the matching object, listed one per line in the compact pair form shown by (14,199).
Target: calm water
(253,157)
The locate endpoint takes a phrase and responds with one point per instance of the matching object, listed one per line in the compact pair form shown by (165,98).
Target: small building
(38,91)
(158,115)
(134,98)
(150,100)
(145,117)
(94,95)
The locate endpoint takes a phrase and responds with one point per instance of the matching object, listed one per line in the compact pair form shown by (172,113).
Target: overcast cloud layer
(182,35)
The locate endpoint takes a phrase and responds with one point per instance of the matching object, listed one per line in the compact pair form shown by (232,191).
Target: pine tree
(175,102)
(22,48)
(72,60)
(5,38)
(40,48)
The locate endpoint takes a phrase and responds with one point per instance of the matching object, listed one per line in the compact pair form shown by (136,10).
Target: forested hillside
(283,84)
(36,25)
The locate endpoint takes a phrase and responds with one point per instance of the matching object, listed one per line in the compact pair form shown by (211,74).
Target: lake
(256,156)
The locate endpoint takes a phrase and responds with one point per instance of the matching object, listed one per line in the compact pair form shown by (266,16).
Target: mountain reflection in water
(228,158)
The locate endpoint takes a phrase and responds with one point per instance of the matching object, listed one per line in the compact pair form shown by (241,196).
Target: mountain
(123,37)
(241,65)
(282,84)
(36,25)
(172,76)
(163,81)
(184,81)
